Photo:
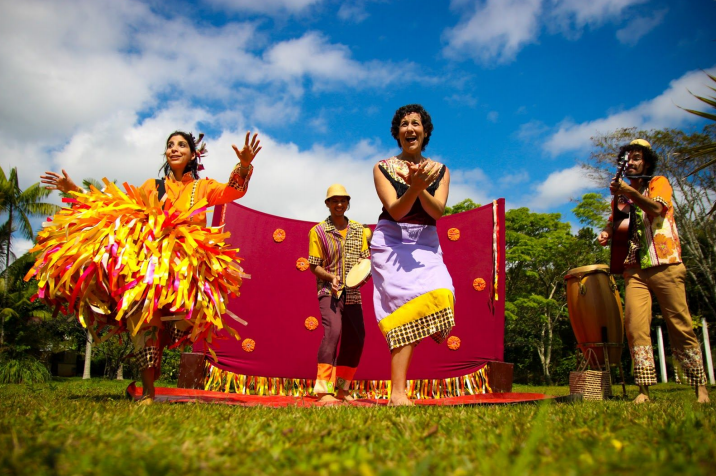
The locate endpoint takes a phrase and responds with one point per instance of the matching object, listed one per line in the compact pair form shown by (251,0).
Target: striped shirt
(329,249)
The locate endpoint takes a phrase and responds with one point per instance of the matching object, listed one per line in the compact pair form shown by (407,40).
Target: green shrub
(23,369)
(170,363)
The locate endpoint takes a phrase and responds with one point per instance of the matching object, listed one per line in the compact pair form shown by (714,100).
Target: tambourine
(359,274)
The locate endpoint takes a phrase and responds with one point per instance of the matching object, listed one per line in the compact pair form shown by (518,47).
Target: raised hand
(55,181)
(247,153)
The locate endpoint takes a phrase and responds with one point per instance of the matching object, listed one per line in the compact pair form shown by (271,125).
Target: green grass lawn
(73,427)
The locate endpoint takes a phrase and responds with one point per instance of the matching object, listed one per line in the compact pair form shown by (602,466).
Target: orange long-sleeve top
(187,192)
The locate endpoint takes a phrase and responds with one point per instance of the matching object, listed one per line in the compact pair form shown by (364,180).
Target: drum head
(358,274)
(583,270)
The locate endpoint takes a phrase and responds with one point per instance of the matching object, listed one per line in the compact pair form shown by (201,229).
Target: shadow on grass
(100,398)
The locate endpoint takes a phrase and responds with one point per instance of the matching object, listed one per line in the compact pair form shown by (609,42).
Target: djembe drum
(359,274)
(595,311)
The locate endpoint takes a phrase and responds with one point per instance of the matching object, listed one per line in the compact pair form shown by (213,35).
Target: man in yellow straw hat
(335,246)
(653,264)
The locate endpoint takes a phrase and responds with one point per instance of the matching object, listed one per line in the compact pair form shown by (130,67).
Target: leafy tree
(462,206)
(540,249)
(592,210)
(15,299)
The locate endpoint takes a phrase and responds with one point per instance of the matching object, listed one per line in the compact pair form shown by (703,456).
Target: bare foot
(345,396)
(702,395)
(641,398)
(145,400)
(327,398)
(400,402)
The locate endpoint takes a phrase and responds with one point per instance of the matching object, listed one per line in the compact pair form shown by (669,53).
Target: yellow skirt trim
(419,307)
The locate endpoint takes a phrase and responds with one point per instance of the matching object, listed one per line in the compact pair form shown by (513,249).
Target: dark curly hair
(193,165)
(648,154)
(424,118)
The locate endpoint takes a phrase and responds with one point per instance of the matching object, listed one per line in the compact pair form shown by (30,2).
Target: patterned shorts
(437,326)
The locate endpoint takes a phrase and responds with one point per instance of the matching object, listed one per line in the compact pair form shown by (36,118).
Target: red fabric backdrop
(278,298)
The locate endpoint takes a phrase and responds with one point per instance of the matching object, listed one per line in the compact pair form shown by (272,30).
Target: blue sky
(515,87)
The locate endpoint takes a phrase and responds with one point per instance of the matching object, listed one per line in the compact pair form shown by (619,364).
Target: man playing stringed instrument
(653,264)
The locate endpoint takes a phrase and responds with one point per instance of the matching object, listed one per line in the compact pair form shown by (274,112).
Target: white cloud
(593,12)
(656,113)
(511,180)
(638,27)
(353,12)
(492,116)
(20,246)
(493,31)
(462,100)
(65,66)
(474,184)
(271,7)
(330,64)
(559,187)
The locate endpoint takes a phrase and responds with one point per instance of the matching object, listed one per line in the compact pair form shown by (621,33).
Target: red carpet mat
(185,395)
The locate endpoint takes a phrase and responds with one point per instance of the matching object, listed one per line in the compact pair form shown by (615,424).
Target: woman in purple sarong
(413,294)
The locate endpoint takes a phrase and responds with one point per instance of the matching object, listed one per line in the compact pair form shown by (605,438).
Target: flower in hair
(200,151)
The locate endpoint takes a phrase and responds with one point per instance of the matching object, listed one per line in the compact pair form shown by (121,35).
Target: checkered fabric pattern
(692,364)
(147,357)
(176,336)
(339,255)
(437,325)
(644,375)
(235,178)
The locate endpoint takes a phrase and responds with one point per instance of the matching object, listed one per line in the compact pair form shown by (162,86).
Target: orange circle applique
(248,345)
(453,234)
(302,264)
(311,323)
(279,235)
(453,343)
(478,284)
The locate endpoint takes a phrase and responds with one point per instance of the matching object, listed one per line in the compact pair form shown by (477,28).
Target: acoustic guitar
(620,224)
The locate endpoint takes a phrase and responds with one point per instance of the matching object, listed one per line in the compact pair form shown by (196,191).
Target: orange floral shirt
(187,192)
(656,237)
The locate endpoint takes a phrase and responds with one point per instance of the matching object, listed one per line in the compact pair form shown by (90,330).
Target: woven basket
(592,384)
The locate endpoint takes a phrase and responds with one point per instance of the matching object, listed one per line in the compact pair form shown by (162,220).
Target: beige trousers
(668,283)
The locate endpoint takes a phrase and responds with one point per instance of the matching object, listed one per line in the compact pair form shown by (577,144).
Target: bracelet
(241,167)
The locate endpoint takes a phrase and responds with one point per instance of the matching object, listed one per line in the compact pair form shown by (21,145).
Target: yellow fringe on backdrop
(224,381)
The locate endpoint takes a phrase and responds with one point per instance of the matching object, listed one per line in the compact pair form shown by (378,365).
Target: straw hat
(640,142)
(337,190)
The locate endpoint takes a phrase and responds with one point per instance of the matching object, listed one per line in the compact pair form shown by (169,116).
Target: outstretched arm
(247,154)
(55,181)
(651,207)
(238,184)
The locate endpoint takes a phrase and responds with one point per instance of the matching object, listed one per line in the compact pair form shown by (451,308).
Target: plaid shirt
(329,250)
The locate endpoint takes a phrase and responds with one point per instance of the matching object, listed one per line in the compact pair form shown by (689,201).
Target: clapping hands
(422,175)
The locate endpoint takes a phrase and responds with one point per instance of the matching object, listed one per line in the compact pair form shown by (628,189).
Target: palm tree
(19,205)
(16,294)
(707,149)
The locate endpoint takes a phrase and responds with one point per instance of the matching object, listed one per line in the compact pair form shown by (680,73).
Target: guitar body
(620,237)
(620,222)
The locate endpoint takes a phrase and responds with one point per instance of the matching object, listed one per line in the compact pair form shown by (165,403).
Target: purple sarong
(408,268)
